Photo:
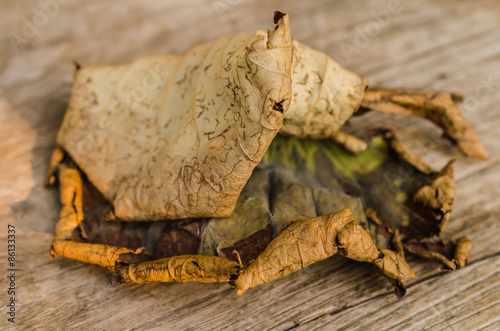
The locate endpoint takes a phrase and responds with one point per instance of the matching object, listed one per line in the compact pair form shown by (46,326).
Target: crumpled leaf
(220,236)
(180,269)
(177,137)
(305,242)
(404,199)
(102,255)
(439,107)
(171,137)
(71,214)
(324,97)
(452,255)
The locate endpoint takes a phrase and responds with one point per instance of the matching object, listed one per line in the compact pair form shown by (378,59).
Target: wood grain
(438,45)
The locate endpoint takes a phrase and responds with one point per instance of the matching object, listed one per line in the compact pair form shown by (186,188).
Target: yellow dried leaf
(439,107)
(181,269)
(101,255)
(170,137)
(309,241)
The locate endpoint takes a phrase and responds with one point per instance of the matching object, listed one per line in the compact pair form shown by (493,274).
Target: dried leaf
(325,95)
(452,255)
(71,214)
(439,107)
(251,215)
(437,198)
(180,269)
(299,180)
(171,137)
(101,255)
(308,241)
(403,199)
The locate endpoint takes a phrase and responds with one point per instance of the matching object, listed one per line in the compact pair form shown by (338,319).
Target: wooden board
(438,45)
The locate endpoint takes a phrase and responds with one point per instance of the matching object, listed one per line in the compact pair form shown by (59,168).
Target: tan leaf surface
(178,136)
(170,136)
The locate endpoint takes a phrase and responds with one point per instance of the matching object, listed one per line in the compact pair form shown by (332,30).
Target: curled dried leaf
(325,96)
(102,255)
(402,151)
(308,241)
(437,197)
(439,107)
(299,180)
(396,269)
(71,214)
(462,252)
(180,269)
(452,255)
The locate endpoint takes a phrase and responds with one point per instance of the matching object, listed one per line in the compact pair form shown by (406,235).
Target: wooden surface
(438,45)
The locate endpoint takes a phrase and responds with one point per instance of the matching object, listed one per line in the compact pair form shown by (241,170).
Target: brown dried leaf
(452,255)
(308,241)
(71,215)
(101,255)
(171,137)
(404,199)
(180,269)
(439,107)
(186,146)
(299,181)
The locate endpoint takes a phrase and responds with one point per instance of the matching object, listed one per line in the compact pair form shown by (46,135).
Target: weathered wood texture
(439,45)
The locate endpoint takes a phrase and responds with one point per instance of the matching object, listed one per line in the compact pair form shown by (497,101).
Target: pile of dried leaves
(191,183)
